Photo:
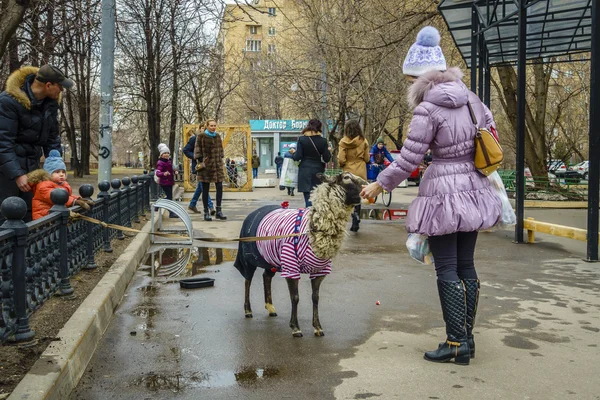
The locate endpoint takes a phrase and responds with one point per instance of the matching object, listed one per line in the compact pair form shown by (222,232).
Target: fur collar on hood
(312,133)
(37,176)
(426,82)
(14,83)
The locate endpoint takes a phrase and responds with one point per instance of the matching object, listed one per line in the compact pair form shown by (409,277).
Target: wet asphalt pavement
(537,328)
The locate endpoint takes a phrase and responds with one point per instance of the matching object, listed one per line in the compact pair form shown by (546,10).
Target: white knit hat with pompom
(162,149)
(425,54)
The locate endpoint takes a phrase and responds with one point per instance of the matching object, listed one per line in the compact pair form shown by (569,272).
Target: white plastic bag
(508,217)
(289,173)
(418,248)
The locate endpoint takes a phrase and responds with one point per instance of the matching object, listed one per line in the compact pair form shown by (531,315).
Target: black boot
(220,214)
(355,222)
(472,296)
(456,346)
(207,215)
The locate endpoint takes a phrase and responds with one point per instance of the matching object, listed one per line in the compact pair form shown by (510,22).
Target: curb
(62,364)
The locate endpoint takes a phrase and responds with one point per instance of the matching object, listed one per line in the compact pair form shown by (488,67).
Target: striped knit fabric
(289,258)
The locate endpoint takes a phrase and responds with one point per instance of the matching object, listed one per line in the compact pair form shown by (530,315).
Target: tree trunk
(10,18)
(535,142)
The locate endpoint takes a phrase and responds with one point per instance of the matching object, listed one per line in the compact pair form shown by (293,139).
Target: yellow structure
(253,39)
(237,146)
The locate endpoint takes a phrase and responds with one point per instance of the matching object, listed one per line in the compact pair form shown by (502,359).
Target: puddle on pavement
(147,310)
(246,376)
(171,262)
(383,213)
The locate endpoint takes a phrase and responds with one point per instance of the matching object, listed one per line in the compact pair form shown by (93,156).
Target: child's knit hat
(425,54)
(54,162)
(162,149)
(380,140)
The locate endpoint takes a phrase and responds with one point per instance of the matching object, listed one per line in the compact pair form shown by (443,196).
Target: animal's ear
(323,178)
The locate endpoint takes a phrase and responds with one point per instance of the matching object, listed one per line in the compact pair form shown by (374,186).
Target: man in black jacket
(28,126)
(188,150)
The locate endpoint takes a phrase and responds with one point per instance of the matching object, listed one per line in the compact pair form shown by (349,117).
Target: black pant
(168,189)
(206,188)
(307,202)
(453,255)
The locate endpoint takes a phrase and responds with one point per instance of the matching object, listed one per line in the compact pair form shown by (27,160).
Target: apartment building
(254,39)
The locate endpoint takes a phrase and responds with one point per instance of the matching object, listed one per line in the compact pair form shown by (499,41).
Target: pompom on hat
(162,149)
(425,54)
(54,162)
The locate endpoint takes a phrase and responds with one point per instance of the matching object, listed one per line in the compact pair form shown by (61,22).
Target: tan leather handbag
(488,152)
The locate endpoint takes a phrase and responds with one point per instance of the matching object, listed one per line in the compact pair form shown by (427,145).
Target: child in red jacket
(44,181)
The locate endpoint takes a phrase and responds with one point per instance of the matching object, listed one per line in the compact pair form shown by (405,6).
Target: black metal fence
(37,259)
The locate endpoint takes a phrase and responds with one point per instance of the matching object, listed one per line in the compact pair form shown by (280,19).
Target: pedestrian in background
(209,155)
(353,157)
(164,171)
(379,155)
(290,154)
(313,153)
(455,200)
(28,126)
(278,163)
(255,164)
(188,150)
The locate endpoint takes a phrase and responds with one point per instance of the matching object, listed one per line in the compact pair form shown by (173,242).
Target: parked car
(560,170)
(582,169)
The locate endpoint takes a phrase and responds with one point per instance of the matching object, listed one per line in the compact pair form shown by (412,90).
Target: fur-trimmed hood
(312,133)
(442,88)
(15,82)
(37,176)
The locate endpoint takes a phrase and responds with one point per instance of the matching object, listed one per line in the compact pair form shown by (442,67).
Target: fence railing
(37,259)
(544,184)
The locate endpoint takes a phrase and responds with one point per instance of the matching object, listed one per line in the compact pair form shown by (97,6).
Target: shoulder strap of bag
(313,143)
(473,118)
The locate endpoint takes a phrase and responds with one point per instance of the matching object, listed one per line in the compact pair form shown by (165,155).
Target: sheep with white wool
(321,229)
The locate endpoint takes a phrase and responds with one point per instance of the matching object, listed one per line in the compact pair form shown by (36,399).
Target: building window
(272,11)
(253,29)
(271,49)
(253,45)
(271,31)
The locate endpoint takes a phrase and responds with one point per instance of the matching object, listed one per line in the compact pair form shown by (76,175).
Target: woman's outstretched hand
(371,191)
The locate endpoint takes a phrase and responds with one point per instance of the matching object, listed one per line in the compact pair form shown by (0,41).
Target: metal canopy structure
(554,28)
(493,32)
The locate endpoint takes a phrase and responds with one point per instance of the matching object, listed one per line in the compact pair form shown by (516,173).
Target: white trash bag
(508,217)
(418,248)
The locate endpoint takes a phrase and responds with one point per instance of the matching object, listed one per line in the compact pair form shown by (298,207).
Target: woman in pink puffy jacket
(455,200)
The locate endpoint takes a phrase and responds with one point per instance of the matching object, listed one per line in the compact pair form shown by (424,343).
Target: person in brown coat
(353,157)
(209,154)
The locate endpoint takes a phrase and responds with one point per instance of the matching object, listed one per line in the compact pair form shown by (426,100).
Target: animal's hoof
(248,315)
(297,334)
(272,314)
(319,332)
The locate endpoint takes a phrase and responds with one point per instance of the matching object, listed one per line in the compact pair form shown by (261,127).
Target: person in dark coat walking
(28,126)
(209,153)
(313,153)
(188,150)
(278,164)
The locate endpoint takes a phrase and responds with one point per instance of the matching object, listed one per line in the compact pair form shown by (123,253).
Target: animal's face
(351,183)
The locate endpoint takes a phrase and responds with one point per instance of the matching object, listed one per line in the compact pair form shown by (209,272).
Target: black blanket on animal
(248,258)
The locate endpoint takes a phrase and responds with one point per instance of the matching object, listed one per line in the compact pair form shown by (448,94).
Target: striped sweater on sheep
(322,228)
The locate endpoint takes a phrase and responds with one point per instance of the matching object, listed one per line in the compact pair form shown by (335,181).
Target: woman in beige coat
(353,157)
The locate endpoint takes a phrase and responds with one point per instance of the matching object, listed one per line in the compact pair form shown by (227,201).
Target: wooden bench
(533,226)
